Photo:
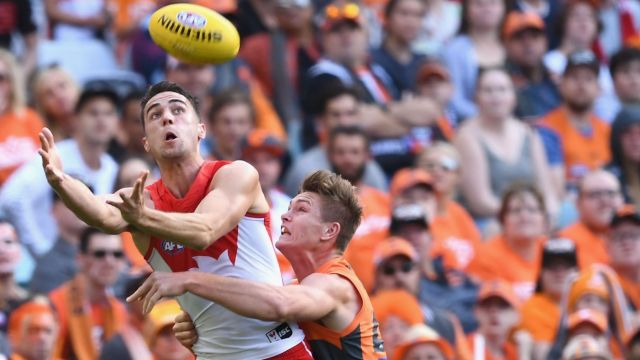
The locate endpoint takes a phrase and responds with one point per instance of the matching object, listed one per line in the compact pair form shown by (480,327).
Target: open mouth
(170,136)
(283,230)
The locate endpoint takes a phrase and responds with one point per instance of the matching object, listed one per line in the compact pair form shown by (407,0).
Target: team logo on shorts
(172,248)
(283,331)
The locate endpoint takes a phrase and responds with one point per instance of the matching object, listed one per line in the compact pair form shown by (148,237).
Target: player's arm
(312,300)
(235,190)
(89,208)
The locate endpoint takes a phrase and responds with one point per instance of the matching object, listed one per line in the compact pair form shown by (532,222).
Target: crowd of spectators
(494,145)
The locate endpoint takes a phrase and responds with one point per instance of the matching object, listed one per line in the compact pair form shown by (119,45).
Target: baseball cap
(335,14)
(91,93)
(585,347)
(262,140)
(162,315)
(407,178)
(588,282)
(399,303)
(394,246)
(517,21)
(430,69)
(559,248)
(500,289)
(422,334)
(626,213)
(587,316)
(408,214)
(582,58)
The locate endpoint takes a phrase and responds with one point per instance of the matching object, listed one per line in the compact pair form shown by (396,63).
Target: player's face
(302,224)
(10,249)
(173,130)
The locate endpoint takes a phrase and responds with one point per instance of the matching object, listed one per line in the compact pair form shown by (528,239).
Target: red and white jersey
(246,252)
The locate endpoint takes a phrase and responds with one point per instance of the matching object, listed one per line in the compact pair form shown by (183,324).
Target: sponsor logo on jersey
(172,248)
(283,331)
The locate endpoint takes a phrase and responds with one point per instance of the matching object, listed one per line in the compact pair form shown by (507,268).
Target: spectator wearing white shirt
(26,198)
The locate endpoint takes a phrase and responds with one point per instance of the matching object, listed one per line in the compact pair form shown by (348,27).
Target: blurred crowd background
(494,144)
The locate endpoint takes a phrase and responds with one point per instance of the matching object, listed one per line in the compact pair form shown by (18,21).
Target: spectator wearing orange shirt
(19,126)
(498,314)
(88,314)
(599,198)
(519,247)
(575,139)
(541,312)
(623,247)
(348,153)
(452,228)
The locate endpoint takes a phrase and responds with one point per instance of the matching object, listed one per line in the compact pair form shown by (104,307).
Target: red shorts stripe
(298,352)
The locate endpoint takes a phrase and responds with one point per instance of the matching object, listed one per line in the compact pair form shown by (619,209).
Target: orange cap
(407,178)
(517,21)
(394,246)
(399,303)
(422,334)
(589,282)
(162,315)
(500,289)
(335,14)
(587,316)
(432,69)
(37,306)
(262,140)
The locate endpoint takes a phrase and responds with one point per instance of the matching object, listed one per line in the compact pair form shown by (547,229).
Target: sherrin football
(194,34)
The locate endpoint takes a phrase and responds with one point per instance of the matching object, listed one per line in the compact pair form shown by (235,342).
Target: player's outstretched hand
(132,206)
(184,330)
(51,162)
(159,286)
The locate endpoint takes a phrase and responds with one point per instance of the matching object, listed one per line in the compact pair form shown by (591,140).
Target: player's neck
(305,263)
(177,176)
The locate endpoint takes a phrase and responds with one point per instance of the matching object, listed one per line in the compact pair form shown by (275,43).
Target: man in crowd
(32,331)
(26,198)
(623,248)
(599,198)
(88,314)
(625,72)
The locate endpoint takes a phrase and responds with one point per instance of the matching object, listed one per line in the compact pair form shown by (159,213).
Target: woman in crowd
(55,95)
(497,149)
(477,45)
(19,126)
(625,151)
(523,218)
(540,315)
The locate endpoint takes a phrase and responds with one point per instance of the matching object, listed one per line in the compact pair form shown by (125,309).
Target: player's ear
(146,144)
(330,231)
(202,131)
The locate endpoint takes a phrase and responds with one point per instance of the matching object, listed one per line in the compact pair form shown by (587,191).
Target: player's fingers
(183,326)
(115,204)
(45,157)
(43,141)
(183,317)
(139,293)
(49,136)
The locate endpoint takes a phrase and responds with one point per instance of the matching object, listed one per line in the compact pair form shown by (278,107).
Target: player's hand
(51,162)
(132,206)
(184,330)
(159,286)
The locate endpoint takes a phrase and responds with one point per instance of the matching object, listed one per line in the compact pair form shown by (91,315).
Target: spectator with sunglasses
(398,267)
(88,314)
(599,197)
(452,228)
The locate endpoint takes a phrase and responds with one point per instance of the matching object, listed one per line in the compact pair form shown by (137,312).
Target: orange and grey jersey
(360,340)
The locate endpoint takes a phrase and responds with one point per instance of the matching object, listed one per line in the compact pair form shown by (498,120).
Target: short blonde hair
(339,203)
(443,146)
(18,94)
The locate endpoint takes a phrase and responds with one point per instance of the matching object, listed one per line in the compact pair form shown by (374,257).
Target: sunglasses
(446,164)
(392,270)
(348,11)
(101,254)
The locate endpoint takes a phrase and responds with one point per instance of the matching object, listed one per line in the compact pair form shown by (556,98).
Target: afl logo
(172,248)
(191,20)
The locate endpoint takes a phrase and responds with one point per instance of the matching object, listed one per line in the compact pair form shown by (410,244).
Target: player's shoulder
(236,171)
(337,286)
